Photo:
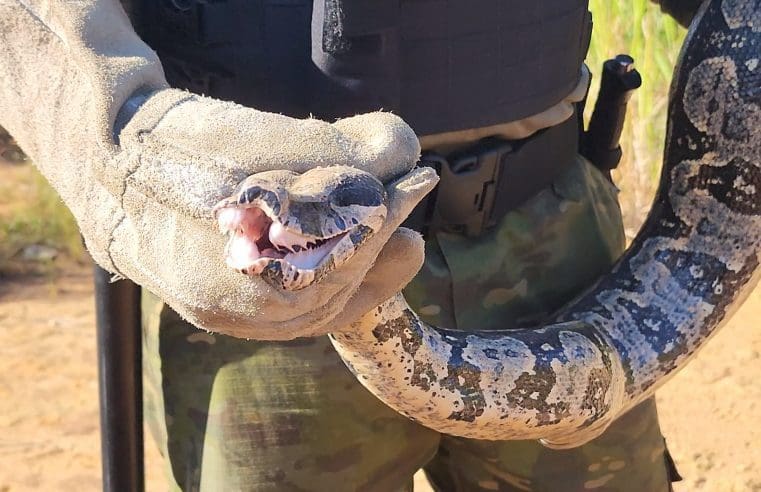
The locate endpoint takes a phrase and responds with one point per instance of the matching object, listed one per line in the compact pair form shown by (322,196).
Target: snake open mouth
(293,240)
(256,240)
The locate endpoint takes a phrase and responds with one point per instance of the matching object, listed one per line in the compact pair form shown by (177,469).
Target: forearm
(49,51)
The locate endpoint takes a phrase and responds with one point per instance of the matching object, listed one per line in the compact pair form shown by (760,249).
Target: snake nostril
(253,193)
(258,194)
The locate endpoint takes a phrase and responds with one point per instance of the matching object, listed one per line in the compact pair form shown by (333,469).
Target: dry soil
(49,405)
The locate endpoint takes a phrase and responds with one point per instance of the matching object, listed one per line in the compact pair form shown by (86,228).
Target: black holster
(480,185)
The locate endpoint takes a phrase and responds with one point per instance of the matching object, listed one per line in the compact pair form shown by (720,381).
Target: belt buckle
(467,187)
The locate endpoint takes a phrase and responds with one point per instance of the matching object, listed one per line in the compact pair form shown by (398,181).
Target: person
(236,414)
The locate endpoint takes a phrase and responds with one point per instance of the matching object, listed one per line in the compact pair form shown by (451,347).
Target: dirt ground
(49,402)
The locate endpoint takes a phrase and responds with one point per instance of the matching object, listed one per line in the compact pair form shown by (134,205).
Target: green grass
(636,27)
(33,214)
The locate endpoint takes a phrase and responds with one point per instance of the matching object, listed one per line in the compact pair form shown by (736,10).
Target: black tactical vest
(442,65)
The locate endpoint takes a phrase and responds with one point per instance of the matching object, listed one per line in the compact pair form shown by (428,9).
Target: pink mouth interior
(249,240)
(254,237)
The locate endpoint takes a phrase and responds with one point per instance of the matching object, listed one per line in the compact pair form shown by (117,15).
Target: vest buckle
(467,187)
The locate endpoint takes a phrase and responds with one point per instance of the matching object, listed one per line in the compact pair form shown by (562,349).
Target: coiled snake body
(695,258)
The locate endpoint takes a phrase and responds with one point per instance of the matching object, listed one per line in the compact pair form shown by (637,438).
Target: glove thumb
(396,265)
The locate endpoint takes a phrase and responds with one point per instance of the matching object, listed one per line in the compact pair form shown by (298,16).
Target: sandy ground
(49,414)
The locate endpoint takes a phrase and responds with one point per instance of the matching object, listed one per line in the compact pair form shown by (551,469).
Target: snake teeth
(279,235)
(294,229)
(256,240)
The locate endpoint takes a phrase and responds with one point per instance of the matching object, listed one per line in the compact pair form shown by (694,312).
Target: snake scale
(564,382)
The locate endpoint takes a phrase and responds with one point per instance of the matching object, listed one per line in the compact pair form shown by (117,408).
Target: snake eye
(365,193)
(253,193)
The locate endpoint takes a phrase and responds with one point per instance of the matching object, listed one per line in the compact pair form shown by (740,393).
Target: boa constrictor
(564,382)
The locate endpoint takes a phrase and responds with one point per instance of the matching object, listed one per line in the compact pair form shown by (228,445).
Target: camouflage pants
(232,415)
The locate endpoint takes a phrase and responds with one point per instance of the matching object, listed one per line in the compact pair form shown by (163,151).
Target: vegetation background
(639,29)
(50,412)
(31,212)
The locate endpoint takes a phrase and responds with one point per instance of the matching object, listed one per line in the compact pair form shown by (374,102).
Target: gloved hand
(144,202)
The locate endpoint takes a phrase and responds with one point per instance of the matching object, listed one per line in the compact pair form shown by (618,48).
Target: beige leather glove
(144,203)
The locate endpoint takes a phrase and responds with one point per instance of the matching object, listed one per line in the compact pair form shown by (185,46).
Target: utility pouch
(480,185)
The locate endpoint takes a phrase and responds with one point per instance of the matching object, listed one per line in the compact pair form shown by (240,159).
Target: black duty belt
(481,184)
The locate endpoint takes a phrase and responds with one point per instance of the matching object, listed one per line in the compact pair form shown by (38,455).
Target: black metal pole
(117,308)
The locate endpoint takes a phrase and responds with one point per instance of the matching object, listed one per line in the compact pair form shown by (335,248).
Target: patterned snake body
(695,258)
(564,382)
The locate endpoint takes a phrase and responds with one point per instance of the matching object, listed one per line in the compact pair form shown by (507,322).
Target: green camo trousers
(232,414)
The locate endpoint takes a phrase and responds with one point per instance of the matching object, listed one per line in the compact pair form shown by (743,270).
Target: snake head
(293,229)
